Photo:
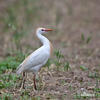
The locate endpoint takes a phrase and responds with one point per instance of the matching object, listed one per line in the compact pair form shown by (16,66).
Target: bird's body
(38,58)
(35,60)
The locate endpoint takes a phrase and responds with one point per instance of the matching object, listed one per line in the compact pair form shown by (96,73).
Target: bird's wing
(36,58)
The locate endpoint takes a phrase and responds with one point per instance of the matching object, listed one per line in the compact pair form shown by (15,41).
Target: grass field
(73,71)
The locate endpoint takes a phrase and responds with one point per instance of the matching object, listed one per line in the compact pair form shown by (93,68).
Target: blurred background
(76,35)
(69,19)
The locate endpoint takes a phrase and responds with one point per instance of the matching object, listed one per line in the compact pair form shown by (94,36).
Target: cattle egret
(38,58)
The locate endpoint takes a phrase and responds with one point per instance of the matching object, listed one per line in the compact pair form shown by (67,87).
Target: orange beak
(48,30)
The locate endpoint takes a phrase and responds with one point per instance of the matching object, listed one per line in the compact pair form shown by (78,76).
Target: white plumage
(38,58)
(34,61)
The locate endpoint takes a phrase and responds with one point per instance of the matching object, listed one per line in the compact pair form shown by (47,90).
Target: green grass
(80,97)
(8,80)
(66,66)
(11,62)
(6,96)
(7,69)
(60,61)
(86,96)
(83,68)
(9,96)
(87,39)
(94,75)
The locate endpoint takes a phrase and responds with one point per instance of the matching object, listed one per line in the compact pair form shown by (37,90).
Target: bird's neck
(43,39)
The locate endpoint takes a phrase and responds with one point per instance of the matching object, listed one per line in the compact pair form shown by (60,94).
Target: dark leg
(23,81)
(34,82)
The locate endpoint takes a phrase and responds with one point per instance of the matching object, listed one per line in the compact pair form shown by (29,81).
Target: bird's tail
(19,69)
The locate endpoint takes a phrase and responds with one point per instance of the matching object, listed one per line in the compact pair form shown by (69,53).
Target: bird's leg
(23,81)
(43,83)
(34,80)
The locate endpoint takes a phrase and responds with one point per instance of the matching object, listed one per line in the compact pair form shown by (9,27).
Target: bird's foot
(22,87)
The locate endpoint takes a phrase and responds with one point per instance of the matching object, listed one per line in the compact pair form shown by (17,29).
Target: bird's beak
(48,30)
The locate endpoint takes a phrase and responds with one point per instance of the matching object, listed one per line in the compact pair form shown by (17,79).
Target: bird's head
(43,30)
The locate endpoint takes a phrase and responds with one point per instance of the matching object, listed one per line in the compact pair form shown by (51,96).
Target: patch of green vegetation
(9,96)
(24,92)
(8,80)
(66,66)
(60,62)
(97,89)
(7,67)
(49,62)
(50,96)
(86,96)
(63,82)
(80,97)
(6,96)
(97,95)
(11,62)
(83,68)
(93,75)
(59,56)
(84,39)
(70,87)
(26,97)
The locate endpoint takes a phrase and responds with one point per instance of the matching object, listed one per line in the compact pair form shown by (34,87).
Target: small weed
(24,92)
(85,40)
(88,39)
(63,82)
(86,96)
(82,37)
(57,63)
(81,96)
(26,97)
(6,96)
(49,62)
(66,66)
(38,98)
(93,75)
(83,68)
(97,95)
(50,96)
(60,62)
(70,87)
(59,56)
(97,89)
(63,96)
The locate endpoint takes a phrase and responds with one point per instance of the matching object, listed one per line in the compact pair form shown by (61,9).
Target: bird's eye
(42,30)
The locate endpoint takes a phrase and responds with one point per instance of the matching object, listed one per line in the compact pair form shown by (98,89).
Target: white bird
(38,58)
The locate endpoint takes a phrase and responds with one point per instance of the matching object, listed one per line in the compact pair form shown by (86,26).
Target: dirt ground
(69,19)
